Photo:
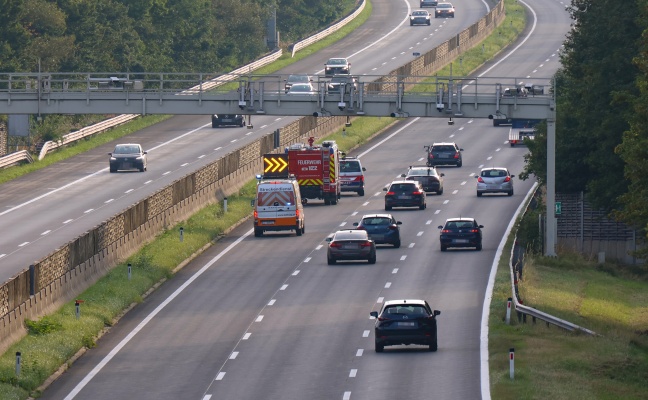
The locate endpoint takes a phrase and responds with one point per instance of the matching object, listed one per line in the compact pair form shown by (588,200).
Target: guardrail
(321,35)
(15,158)
(515,263)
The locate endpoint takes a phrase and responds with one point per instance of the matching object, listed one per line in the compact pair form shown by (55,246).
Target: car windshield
(351,235)
(126,150)
(402,187)
(422,172)
(298,78)
(444,148)
(420,13)
(493,173)
(376,221)
(402,310)
(336,61)
(444,5)
(459,224)
(350,166)
(301,88)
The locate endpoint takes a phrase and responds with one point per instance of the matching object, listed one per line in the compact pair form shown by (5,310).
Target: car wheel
(331,261)
(379,348)
(459,164)
(113,169)
(327,202)
(372,259)
(258,232)
(142,169)
(440,192)
(214,125)
(429,22)
(411,24)
(479,194)
(303,229)
(397,244)
(388,208)
(434,345)
(479,247)
(423,206)
(444,248)
(334,201)
(361,192)
(510,193)
(298,230)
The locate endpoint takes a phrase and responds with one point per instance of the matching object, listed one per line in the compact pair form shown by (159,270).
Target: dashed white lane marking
(428,222)
(234,355)
(366,203)
(166,173)
(184,165)
(347,396)
(403,258)
(284,287)
(448,201)
(353,373)
(387,285)
(380,300)
(129,190)
(2,255)
(463,183)
(343,223)
(307,259)
(461,128)
(217,148)
(199,157)
(149,181)
(259,318)
(46,232)
(23,244)
(472,174)
(88,211)
(271,302)
(395,271)
(296,272)
(411,245)
(207,397)
(220,376)
(481,166)
(454,192)
(109,201)
(354,213)
(365,334)
(420,233)
(68,221)
(359,352)
(318,247)
(489,158)
(232,141)
(246,336)
(437,211)
(498,149)
(378,194)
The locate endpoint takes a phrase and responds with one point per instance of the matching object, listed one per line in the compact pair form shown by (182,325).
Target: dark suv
(227,120)
(428,177)
(461,232)
(405,194)
(444,154)
(335,84)
(408,321)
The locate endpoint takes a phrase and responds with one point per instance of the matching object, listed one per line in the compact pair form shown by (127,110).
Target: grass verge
(55,339)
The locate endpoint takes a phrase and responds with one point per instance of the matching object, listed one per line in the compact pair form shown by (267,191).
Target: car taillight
(417,193)
(335,244)
(361,228)
(365,244)
(474,230)
(256,214)
(383,319)
(507,179)
(390,193)
(446,231)
(456,155)
(430,155)
(480,180)
(297,213)
(393,227)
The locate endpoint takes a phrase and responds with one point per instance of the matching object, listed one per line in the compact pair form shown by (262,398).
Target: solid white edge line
(149,317)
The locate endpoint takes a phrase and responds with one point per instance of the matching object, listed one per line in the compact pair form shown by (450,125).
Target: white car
(420,17)
(337,66)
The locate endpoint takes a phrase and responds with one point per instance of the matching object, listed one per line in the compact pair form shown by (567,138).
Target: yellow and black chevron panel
(332,167)
(310,182)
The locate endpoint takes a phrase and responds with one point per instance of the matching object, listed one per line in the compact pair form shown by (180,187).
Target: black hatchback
(406,322)
(405,194)
(461,232)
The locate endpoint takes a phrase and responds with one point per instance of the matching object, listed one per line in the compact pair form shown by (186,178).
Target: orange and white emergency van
(278,207)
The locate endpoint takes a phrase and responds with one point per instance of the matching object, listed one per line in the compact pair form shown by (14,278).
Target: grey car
(350,245)
(444,153)
(494,180)
(296,78)
(420,17)
(128,156)
(428,3)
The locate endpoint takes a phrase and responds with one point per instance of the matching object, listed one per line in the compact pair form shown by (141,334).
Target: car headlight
(113,159)
(140,158)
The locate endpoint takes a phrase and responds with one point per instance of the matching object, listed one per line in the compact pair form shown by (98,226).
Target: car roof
(377,216)
(444,144)
(352,232)
(460,219)
(495,168)
(127,144)
(405,181)
(404,301)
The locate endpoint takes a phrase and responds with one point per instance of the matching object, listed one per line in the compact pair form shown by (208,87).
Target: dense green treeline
(602,110)
(151,35)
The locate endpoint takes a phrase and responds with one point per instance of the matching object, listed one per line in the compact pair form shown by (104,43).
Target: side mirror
(481,226)
(374,314)
(252,202)
(355,224)
(364,169)
(512,176)
(110,154)
(442,174)
(440,227)
(329,239)
(384,189)
(476,176)
(146,152)
(403,175)
(437,312)
(399,223)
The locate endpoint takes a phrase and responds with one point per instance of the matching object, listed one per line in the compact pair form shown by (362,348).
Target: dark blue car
(382,228)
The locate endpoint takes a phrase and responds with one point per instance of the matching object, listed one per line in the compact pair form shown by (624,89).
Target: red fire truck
(316,168)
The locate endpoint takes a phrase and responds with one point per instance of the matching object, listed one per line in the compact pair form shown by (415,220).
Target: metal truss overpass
(167,93)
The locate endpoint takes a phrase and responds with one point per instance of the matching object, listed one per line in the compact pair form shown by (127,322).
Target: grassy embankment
(55,339)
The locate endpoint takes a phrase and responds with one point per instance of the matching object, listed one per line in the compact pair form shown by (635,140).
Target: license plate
(127,165)
(404,197)
(445,155)
(377,237)
(267,222)
(406,324)
(353,246)
(460,240)
(227,120)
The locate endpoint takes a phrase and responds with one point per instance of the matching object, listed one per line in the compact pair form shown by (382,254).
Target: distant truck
(520,129)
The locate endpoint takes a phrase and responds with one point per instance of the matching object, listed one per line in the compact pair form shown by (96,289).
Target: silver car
(494,180)
(351,245)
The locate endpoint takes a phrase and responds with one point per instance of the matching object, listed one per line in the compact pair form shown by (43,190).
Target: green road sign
(558,208)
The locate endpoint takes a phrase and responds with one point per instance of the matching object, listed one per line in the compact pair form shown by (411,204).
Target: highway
(67,199)
(267,318)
